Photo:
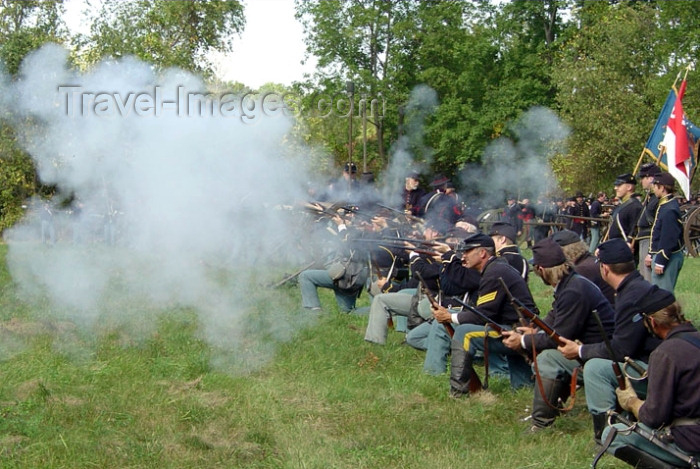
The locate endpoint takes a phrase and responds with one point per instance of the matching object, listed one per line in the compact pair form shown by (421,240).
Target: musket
(474,384)
(413,240)
(408,217)
(601,220)
(433,303)
(615,366)
(292,276)
(534,318)
(493,325)
(378,242)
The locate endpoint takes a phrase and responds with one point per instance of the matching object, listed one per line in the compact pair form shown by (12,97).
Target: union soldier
(623,220)
(646,219)
(492,301)
(629,338)
(572,316)
(579,209)
(672,404)
(666,248)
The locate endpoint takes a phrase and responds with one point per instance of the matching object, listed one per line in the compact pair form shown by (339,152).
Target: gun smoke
(190,206)
(518,164)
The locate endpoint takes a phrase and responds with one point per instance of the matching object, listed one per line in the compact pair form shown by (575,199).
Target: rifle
(493,325)
(387,244)
(433,303)
(474,384)
(291,276)
(615,366)
(408,217)
(534,318)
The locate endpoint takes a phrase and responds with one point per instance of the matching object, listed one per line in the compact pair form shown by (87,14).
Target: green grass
(120,395)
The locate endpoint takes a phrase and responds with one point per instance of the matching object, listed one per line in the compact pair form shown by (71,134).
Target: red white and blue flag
(678,147)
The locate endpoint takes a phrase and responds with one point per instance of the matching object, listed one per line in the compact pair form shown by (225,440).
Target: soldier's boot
(641,460)
(599,423)
(543,414)
(459,372)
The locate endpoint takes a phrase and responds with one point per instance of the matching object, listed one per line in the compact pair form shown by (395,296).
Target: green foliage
(167,34)
(25,26)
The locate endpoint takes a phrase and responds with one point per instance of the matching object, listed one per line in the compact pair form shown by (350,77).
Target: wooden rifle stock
(533,318)
(433,303)
(615,366)
(474,384)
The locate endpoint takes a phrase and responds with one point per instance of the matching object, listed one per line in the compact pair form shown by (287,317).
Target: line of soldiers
(462,295)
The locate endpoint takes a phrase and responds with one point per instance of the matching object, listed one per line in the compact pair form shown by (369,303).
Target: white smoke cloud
(189,201)
(518,165)
(410,152)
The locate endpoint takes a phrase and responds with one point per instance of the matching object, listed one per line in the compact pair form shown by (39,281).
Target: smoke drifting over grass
(518,165)
(173,210)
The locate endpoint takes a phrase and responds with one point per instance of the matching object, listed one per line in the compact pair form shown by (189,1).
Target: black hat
(477,240)
(505,229)
(648,169)
(413,175)
(614,251)
(547,253)
(565,237)
(350,168)
(437,225)
(655,300)
(510,197)
(626,178)
(439,181)
(664,179)
(579,194)
(456,232)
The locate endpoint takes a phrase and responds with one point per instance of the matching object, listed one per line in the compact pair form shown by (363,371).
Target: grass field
(107,396)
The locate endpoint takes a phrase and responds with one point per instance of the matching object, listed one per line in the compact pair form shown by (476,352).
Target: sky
(270,49)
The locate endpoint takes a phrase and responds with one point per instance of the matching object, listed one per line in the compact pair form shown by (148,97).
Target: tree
(24,27)
(362,42)
(165,33)
(612,80)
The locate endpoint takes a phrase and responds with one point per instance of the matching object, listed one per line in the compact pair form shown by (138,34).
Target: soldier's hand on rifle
(628,398)
(511,339)
(381,281)
(570,349)
(523,330)
(442,248)
(441,314)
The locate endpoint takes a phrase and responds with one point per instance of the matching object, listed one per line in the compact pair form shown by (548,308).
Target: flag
(677,145)
(653,145)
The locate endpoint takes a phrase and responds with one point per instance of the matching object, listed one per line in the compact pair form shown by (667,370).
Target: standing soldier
(412,194)
(646,175)
(624,218)
(579,209)
(596,212)
(666,249)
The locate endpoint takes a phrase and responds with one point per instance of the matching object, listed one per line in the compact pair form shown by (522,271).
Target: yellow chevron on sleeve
(485,298)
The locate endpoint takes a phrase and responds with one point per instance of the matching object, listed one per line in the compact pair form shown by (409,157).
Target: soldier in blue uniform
(575,299)
(629,338)
(646,176)
(665,258)
(623,221)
